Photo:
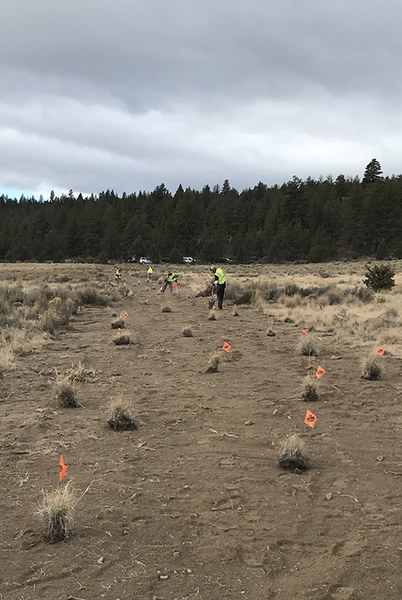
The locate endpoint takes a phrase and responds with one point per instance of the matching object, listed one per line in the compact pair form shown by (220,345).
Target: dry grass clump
(56,513)
(187,331)
(120,415)
(213,363)
(61,310)
(64,393)
(122,340)
(47,322)
(307,346)
(310,391)
(80,373)
(6,359)
(211,316)
(167,308)
(118,324)
(235,312)
(372,369)
(293,455)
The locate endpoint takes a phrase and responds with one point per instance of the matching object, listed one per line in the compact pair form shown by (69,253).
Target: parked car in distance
(188,260)
(225,260)
(144,260)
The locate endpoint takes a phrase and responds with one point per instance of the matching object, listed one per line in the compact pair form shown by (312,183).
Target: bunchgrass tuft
(213,363)
(187,332)
(122,340)
(120,415)
(64,393)
(56,513)
(310,391)
(372,369)
(292,455)
(307,346)
(167,308)
(212,315)
(118,324)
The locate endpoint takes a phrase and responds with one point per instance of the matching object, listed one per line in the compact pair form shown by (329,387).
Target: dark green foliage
(380,277)
(373,172)
(299,220)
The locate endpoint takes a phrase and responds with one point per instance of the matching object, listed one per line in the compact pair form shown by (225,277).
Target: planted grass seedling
(120,415)
(293,455)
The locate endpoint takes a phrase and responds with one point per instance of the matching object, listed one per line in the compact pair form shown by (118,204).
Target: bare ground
(193,506)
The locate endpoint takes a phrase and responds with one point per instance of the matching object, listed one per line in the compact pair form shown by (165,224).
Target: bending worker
(117,275)
(220,284)
(169,281)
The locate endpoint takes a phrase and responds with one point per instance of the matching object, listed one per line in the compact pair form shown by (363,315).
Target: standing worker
(150,273)
(117,275)
(220,284)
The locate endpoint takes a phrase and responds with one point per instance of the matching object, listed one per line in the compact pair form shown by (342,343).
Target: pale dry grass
(293,454)
(64,392)
(213,363)
(56,513)
(120,414)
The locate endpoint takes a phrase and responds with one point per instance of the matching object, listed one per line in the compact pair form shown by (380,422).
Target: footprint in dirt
(338,592)
(348,548)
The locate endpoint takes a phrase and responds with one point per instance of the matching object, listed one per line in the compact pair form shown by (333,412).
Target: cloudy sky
(126,94)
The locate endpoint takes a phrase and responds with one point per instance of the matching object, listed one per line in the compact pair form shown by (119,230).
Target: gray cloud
(125,94)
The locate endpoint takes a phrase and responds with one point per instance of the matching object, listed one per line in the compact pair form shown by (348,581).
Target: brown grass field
(192,503)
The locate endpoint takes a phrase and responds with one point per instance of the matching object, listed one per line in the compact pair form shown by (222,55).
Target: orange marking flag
(380,351)
(304,333)
(63,468)
(125,315)
(226,347)
(174,286)
(310,419)
(320,372)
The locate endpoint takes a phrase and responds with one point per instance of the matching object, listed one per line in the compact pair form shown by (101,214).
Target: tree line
(311,220)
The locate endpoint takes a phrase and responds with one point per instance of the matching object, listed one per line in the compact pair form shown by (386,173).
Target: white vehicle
(188,260)
(144,260)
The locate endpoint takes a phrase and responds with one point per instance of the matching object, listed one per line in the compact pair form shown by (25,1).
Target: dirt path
(193,505)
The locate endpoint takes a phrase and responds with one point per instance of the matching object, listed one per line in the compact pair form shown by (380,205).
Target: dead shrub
(307,346)
(61,310)
(6,358)
(213,363)
(187,331)
(292,455)
(120,415)
(47,322)
(56,513)
(372,369)
(64,393)
(310,389)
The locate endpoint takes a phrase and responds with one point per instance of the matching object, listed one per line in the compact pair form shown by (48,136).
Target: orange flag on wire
(320,372)
(226,347)
(310,419)
(304,333)
(63,468)
(380,351)
(125,315)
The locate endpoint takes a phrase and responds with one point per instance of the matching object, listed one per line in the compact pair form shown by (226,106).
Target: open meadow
(191,474)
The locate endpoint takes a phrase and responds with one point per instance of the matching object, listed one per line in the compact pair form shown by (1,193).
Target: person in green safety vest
(150,273)
(170,280)
(220,284)
(117,275)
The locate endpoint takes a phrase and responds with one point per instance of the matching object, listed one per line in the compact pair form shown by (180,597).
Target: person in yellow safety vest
(117,275)
(150,273)
(220,284)
(169,281)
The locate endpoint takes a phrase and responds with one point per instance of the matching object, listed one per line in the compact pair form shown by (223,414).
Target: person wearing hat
(220,284)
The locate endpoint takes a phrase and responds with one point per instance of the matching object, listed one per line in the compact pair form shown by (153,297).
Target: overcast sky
(126,94)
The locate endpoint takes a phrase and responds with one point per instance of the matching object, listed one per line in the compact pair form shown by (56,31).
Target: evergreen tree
(373,172)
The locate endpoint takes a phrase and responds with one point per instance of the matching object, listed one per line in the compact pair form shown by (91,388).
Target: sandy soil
(193,506)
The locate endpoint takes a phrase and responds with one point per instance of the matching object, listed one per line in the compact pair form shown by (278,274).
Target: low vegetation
(293,454)
(56,513)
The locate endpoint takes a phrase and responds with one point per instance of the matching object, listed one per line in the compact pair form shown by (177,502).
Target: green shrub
(379,277)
